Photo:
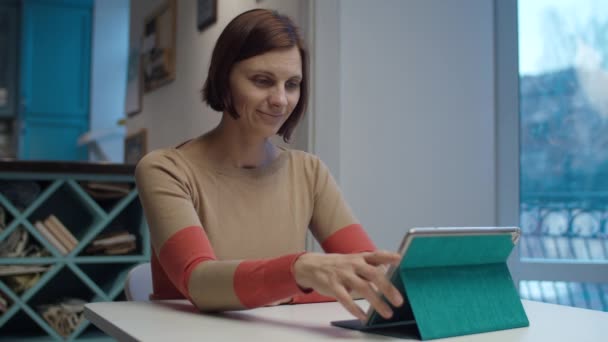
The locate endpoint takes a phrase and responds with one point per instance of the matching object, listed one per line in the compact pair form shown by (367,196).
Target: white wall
(175,112)
(108,70)
(416,123)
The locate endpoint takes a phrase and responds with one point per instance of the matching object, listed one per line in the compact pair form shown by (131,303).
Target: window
(563,151)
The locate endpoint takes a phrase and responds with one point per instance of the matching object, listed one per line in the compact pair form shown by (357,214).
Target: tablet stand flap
(461,285)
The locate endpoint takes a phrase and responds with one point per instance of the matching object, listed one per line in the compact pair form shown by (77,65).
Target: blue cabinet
(53,139)
(54,78)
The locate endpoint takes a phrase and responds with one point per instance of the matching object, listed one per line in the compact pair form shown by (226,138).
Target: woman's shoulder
(162,156)
(167,160)
(299,155)
(306,161)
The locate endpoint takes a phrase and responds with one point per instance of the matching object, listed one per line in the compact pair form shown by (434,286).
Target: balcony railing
(565,226)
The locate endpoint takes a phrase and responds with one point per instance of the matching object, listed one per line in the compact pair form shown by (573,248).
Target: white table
(178,320)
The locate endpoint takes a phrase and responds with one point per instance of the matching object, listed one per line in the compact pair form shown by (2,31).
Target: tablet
(403,315)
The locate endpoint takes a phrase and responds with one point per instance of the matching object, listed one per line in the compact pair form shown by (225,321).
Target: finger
(281,301)
(347,302)
(364,288)
(380,283)
(382,257)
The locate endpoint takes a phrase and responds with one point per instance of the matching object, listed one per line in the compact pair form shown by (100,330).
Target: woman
(229,211)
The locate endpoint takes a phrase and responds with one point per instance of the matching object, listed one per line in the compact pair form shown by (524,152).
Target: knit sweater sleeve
(333,223)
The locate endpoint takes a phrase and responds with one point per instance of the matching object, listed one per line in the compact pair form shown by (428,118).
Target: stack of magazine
(57,234)
(106,190)
(64,316)
(112,243)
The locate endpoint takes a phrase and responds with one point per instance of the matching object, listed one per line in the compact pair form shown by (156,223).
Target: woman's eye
(292,85)
(263,82)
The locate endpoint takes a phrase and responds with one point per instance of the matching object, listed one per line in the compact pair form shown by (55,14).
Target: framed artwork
(158,46)
(134,82)
(136,146)
(206,13)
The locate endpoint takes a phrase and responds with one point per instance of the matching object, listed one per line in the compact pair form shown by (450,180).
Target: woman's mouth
(272,115)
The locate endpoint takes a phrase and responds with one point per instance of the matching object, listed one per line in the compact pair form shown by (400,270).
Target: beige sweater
(245,213)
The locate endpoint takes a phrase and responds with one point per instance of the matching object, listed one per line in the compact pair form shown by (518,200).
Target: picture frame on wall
(158,46)
(206,13)
(136,146)
(133,99)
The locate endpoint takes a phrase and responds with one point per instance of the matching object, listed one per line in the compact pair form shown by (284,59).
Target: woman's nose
(278,98)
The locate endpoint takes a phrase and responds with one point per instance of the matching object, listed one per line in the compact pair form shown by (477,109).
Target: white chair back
(138,286)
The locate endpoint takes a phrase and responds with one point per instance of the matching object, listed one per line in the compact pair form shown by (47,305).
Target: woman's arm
(348,240)
(336,275)
(341,277)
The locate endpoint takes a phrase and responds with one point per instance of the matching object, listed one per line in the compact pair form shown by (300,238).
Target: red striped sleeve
(348,240)
(256,282)
(312,297)
(260,282)
(182,252)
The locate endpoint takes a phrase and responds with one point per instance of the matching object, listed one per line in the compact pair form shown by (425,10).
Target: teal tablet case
(452,286)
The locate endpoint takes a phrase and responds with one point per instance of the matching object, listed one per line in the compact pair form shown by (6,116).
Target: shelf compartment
(126,217)
(102,193)
(23,193)
(7,216)
(19,216)
(67,206)
(13,303)
(102,223)
(109,277)
(43,240)
(86,199)
(22,242)
(4,235)
(64,285)
(21,327)
(100,295)
(48,190)
(35,284)
(42,281)
(8,314)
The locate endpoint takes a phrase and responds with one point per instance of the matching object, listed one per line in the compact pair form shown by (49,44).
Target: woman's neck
(231,147)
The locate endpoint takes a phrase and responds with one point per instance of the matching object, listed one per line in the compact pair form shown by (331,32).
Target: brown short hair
(250,34)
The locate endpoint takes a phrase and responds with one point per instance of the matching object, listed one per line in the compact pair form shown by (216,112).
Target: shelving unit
(75,275)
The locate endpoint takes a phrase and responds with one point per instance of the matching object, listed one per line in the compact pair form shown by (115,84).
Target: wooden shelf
(88,277)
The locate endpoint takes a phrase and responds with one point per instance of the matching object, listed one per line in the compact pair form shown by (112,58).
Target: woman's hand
(336,275)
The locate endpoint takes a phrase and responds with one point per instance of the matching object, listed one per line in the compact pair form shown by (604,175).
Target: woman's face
(265,90)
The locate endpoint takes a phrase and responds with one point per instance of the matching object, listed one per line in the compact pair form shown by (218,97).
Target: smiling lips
(273,115)
(270,117)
